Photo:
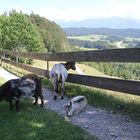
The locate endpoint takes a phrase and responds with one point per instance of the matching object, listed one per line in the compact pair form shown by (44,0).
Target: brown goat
(38,89)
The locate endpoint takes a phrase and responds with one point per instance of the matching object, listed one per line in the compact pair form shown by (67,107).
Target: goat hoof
(54,97)
(62,97)
(35,103)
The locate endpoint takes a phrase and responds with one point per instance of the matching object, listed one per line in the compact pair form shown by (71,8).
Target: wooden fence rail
(126,86)
(111,55)
(27,67)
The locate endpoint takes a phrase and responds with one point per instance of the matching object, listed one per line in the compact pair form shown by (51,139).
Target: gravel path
(101,123)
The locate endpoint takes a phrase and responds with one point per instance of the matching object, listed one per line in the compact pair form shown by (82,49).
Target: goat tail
(58,76)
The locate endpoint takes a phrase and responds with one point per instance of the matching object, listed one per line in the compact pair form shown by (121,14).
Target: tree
(18,33)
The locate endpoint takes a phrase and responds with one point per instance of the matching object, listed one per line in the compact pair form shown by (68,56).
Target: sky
(74,9)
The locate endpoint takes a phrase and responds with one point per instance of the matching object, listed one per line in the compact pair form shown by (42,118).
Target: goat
(59,74)
(13,90)
(76,105)
(38,89)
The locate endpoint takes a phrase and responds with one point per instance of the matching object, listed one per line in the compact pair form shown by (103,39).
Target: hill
(103,31)
(53,35)
(112,22)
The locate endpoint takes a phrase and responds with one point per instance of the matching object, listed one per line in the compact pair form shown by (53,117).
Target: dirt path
(119,44)
(101,123)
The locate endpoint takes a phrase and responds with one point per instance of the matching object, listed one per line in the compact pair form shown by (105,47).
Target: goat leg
(55,96)
(62,91)
(17,105)
(42,101)
(11,104)
(36,99)
(55,90)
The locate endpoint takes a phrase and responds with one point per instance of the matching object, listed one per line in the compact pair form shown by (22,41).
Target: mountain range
(113,22)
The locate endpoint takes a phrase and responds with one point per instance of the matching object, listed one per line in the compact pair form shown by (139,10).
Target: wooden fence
(111,55)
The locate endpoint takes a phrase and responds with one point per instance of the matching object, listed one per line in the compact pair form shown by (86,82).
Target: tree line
(103,31)
(90,44)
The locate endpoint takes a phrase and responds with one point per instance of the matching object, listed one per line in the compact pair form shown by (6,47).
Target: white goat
(59,74)
(76,105)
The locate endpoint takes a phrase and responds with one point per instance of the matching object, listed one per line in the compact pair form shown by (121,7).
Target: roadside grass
(85,68)
(36,123)
(91,71)
(2,80)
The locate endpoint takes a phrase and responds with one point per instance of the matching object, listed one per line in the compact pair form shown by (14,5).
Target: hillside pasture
(88,37)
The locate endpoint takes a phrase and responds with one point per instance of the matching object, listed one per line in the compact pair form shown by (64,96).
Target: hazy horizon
(76,10)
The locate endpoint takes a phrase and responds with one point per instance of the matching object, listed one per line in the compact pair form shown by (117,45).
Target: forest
(90,44)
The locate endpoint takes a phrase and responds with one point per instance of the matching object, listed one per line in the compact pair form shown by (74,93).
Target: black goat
(14,89)
(10,91)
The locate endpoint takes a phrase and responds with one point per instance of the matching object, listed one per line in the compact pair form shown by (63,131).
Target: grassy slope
(86,69)
(2,80)
(88,37)
(35,123)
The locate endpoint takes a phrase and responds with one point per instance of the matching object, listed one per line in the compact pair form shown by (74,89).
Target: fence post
(17,63)
(48,66)
(3,57)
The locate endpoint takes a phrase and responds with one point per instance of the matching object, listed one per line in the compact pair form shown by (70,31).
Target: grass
(91,71)
(35,123)
(85,68)
(2,80)
(88,37)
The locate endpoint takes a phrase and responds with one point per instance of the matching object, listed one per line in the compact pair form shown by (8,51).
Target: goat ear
(73,67)
(70,103)
(12,84)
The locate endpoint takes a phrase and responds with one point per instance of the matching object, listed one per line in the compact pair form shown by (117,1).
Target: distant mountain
(113,22)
